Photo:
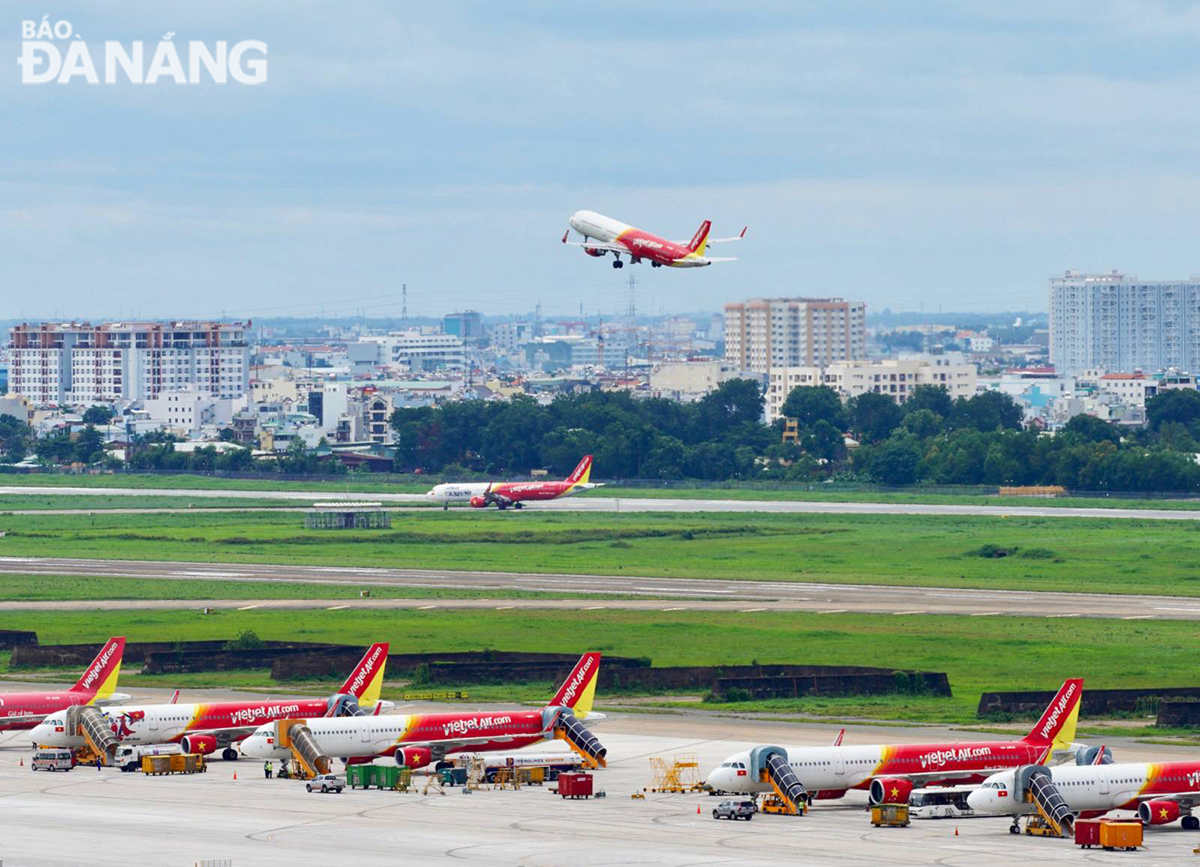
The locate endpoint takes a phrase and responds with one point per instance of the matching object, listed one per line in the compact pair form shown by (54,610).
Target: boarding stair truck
(88,722)
(770,765)
(567,728)
(1034,785)
(294,735)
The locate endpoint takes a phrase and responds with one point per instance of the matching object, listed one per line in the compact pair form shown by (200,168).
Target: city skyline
(924,155)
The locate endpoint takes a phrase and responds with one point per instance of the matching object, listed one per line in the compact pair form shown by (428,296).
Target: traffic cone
(22,762)
(235,775)
(956,830)
(697,809)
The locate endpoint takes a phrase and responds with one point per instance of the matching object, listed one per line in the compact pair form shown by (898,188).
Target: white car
(325,783)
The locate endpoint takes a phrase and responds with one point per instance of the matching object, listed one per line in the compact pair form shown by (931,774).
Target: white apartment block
(895,378)
(416,350)
(190,411)
(1117,322)
(86,364)
(767,333)
(690,380)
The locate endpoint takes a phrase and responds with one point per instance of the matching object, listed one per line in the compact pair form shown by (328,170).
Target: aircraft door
(153,718)
(839,765)
(1103,775)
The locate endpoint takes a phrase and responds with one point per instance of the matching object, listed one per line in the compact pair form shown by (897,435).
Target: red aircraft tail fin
(1056,728)
(100,678)
(700,239)
(365,682)
(582,473)
(579,689)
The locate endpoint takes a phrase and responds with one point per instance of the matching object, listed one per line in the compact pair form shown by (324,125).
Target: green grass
(59,588)
(97,502)
(1069,554)
(361,484)
(978,653)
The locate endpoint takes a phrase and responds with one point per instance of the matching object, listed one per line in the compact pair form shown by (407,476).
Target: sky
(914,154)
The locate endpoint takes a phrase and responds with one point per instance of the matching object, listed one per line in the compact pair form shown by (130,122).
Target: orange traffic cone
(956,830)
(22,762)
(697,809)
(235,775)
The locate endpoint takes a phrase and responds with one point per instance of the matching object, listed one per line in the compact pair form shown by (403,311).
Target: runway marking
(986,614)
(248,607)
(425,607)
(337,607)
(1193,610)
(749,610)
(1140,617)
(681,590)
(504,607)
(902,613)
(594,608)
(1062,615)
(674,609)
(833,611)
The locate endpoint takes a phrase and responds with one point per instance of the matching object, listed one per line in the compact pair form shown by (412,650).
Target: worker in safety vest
(267,769)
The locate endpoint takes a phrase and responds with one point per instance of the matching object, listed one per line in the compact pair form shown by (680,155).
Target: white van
(129,758)
(52,760)
(949,802)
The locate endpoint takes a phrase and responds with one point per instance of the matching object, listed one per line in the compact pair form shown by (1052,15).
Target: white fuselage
(136,724)
(457,492)
(1083,787)
(828,768)
(597,227)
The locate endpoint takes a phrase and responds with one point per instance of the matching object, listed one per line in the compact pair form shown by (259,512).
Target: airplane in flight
(418,740)
(480,495)
(1160,792)
(24,710)
(206,727)
(890,772)
(603,235)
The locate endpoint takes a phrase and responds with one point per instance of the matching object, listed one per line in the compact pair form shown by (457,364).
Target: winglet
(99,680)
(744,228)
(837,742)
(564,240)
(366,681)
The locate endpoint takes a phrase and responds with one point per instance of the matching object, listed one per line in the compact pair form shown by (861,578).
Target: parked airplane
(24,710)
(420,739)
(603,235)
(205,728)
(515,494)
(890,772)
(1159,792)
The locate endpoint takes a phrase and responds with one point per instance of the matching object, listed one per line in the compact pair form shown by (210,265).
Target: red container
(1087,832)
(575,785)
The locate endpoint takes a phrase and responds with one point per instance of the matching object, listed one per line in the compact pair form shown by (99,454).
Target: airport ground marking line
(986,614)
(248,607)
(1140,617)
(425,607)
(1062,615)
(834,611)
(902,613)
(749,610)
(504,607)
(337,607)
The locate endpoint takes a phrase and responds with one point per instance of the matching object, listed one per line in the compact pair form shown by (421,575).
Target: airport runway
(673,594)
(113,819)
(653,504)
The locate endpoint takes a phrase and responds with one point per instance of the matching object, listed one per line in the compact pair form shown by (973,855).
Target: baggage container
(1087,833)
(1120,835)
(356,776)
(889,815)
(385,776)
(575,785)
(156,764)
(454,776)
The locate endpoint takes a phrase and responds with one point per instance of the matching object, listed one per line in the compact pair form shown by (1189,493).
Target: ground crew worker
(98,763)
(267,769)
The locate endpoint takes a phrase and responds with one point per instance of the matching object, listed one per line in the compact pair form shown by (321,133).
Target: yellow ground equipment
(889,815)
(88,722)
(769,764)
(294,735)
(775,804)
(681,775)
(580,739)
(1054,818)
(178,763)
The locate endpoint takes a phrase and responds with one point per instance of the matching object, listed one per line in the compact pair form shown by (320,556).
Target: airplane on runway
(1159,792)
(480,495)
(420,739)
(603,235)
(890,772)
(24,710)
(205,728)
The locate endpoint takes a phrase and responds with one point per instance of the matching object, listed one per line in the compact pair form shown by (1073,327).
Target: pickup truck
(326,783)
(735,810)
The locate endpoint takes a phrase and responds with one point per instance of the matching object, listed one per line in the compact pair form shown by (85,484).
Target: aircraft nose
(977,801)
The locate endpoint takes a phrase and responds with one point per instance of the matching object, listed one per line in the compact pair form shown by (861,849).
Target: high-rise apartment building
(767,333)
(83,364)
(1121,324)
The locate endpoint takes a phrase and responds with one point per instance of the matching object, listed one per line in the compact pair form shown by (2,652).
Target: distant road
(690,594)
(649,504)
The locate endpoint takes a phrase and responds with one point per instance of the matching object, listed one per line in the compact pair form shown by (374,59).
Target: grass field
(978,653)
(1071,554)
(97,502)
(182,481)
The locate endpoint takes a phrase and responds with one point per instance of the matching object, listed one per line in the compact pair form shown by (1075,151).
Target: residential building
(509,337)
(83,364)
(767,333)
(468,325)
(413,349)
(1123,324)
(189,411)
(894,377)
(690,380)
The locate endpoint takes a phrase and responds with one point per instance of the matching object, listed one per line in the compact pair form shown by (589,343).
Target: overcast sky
(905,153)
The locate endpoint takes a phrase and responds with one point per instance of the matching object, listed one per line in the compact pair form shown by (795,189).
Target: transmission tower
(403,305)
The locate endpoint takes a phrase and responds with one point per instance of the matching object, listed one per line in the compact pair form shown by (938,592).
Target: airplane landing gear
(617,263)
(656,264)
(229,754)
(518,505)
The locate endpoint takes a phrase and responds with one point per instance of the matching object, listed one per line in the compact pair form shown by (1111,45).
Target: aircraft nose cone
(975,800)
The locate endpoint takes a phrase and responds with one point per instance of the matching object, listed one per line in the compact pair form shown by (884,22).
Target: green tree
(14,438)
(874,416)
(809,404)
(823,440)
(89,446)
(933,398)
(895,461)
(989,411)
(1090,429)
(98,415)
(923,423)
(1173,404)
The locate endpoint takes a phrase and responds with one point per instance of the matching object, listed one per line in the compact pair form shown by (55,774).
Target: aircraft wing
(712,241)
(22,719)
(115,698)
(1186,798)
(597,245)
(439,748)
(721,258)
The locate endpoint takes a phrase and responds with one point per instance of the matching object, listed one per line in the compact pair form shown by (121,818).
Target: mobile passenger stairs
(577,736)
(294,735)
(88,722)
(770,765)
(1053,818)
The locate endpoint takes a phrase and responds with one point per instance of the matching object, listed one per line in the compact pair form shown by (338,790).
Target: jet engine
(199,744)
(413,757)
(1158,812)
(592,251)
(889,790)
(478,502)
